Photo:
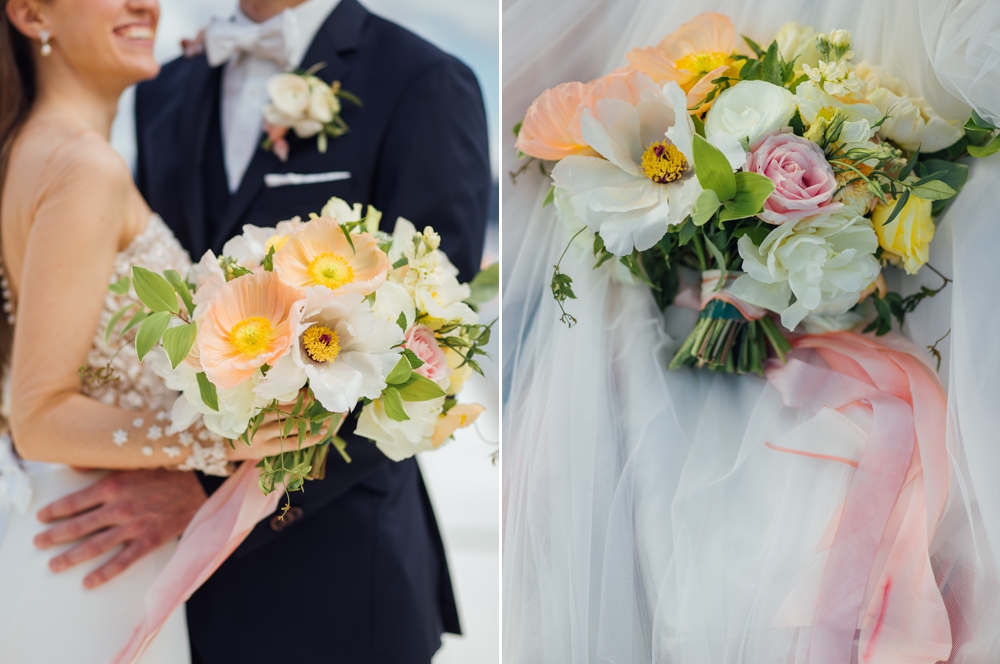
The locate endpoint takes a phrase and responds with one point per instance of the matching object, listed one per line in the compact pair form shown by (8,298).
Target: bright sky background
(468,29)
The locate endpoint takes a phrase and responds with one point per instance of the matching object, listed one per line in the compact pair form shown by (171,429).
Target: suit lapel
(339,35)
(196,116)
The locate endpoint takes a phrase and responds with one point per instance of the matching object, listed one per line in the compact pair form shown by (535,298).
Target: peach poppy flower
(545,132)
(694,55)
(249,323)
(458,417)
(318,254)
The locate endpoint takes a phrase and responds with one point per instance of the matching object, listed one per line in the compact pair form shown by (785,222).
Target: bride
(645,518)
(71,223)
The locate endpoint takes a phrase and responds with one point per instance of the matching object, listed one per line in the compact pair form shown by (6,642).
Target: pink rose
(803,181)
(420,339)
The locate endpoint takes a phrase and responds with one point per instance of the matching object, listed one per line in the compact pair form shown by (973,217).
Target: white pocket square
(286,179)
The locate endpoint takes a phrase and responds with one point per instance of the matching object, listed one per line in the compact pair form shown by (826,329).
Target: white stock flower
(400,440)
(912,122)
(814,103)
(836,78)
(644,184)
(343,350)
(798,43)
(750,111)
(823,262)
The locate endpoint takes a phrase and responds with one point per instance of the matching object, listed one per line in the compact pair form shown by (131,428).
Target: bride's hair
(17,95)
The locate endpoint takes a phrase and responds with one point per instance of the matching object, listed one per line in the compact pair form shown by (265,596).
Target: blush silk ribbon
(220,526)
(872,578)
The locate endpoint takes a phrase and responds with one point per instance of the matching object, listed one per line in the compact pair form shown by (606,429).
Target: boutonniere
(307,104)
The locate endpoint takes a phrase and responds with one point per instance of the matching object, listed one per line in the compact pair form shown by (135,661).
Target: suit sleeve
(434,166)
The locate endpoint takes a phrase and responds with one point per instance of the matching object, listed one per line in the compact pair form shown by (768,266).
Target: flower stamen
(251,336)
(662,162)
(331,270)
(321,343)
(700,64)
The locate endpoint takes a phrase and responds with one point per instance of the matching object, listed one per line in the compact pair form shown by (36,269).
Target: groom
(359,550)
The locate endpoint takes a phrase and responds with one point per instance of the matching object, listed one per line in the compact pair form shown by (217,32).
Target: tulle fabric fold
(646,518)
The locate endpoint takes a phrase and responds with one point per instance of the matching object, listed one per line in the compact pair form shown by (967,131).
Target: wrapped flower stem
(727,339)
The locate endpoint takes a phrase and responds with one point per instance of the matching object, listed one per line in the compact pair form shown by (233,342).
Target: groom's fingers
(77,527)
(133,551)
(74,503)
(89,549)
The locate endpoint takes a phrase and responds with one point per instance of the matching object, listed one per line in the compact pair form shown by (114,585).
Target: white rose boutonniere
(306,104)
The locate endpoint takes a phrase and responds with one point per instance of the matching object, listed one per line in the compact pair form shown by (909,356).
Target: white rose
(750,110)
(289,94)
(913,122)
(400,440)
(824,262)
(798,43)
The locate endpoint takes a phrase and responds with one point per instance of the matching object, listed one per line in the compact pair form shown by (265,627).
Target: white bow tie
(226,39)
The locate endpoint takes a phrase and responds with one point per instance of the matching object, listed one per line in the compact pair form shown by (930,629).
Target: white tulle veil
(611,498)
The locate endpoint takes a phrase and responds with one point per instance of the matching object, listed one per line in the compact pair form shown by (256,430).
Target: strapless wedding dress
(49,618)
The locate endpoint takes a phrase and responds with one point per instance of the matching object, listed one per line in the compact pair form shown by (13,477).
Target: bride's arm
(89,213)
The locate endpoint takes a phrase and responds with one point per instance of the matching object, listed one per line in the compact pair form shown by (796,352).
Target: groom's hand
(141,509)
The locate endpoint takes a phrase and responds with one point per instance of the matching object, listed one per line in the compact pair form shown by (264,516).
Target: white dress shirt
(244,81)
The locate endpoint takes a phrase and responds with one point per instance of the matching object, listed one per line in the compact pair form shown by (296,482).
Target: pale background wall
(463,483)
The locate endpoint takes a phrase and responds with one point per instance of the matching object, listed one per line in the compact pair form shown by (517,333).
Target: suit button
(279,522)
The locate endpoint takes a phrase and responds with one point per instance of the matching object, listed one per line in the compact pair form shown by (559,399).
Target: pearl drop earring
(46,47)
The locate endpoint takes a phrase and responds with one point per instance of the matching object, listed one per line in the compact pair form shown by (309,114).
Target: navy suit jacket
(358,573)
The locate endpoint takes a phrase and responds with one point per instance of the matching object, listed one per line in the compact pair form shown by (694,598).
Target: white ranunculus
(750,111)
(798,43)
(340,211)
(250,247)
(391,300)
(400,440)
(612,195)
(913,123)
(289,94)
(824,262)
(814,103)
(341,348)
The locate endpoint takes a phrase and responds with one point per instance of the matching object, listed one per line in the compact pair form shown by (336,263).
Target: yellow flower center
(331,270)
(700,64)
(251,336)
(276,241)
(662,162)
(321,343)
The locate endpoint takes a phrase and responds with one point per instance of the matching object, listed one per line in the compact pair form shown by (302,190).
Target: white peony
(798,43)
(815,104)
(912,122)
(615,196)
(343,350)
(750,111)
(824,262)
(401,440)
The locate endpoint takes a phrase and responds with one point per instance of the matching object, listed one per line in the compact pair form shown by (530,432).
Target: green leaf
(720,261)
(400,263)
(177,341)
(418,388)
(713,169)
(154,291)
(954,175)
(549,197)
(121,286)
(485,286)
(770,65)
(415,362)
(687,231)
(981,151)
(150,332)
(268,262)
(935,190)
(517,128)
(898,206)
(699,125)
(401,321)
(754,45)
(752,189)
(705,207)
(979,121)
(392,401)
(400,373)
(181,288)
(350,240)
(209,395)
(115,317)
(139,316)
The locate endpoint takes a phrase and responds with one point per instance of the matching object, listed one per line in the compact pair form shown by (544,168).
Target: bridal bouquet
(788,176)
(303,322)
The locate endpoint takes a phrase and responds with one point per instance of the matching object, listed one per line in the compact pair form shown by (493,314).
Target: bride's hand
(269,442)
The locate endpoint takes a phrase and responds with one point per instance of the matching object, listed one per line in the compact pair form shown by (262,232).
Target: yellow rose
(458,375)
(906,241)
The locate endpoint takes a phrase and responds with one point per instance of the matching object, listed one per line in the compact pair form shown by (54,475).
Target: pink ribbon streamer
(220,526)
(877,575)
